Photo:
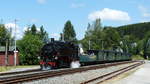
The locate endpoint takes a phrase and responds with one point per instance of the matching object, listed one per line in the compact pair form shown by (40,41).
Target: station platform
(140,76)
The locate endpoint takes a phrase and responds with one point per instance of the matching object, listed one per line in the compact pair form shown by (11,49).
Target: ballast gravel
(78,78)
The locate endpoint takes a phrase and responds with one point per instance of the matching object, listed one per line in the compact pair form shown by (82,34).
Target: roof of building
(11,48)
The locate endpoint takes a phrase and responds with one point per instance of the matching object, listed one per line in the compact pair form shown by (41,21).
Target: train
(61,54)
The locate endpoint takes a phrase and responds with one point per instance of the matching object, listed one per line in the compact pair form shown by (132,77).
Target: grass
(6,68)
(137,57)
(3,68)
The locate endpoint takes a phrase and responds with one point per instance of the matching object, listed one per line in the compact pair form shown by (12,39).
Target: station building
(8,58)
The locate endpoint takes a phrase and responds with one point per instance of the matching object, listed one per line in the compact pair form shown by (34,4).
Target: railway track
(111,75)
(19,77)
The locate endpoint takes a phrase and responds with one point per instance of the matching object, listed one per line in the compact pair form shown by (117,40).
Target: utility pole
(6,53)
(1,21)
(89,44)
(10,40)
(15,52)
(102,45)
(62,37)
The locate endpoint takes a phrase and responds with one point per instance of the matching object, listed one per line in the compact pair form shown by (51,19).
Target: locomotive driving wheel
(43,67)
(48,67)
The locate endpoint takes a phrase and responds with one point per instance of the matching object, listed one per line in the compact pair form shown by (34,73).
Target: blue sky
(53,14)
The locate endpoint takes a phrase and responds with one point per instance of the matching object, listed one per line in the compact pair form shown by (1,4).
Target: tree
(43,35)
(33,29)
(140,47)
(69,32)
(31,43)
(29,48)
(111,38)
(94,35)
(4,34)
(28,31)
(137,30)
(146,45)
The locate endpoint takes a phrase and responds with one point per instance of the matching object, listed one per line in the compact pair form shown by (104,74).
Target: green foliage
(30,45)
(128,44)
(94,35)
(133,39)
(3,31)
(100,38)
(137,57)
(138,30)
(69,32)
(111,39)
(136,34)
(29,48)
(146,45)
(4,34)
(33,29)
(43,35)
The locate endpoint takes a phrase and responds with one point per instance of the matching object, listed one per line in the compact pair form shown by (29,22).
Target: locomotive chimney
(52,39)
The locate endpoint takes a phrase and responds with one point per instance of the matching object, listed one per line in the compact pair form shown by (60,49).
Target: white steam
(75,64)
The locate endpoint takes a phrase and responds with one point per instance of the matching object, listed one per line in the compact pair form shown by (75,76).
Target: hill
(136,30)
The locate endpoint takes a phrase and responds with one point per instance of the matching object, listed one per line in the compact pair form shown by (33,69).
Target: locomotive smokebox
(52,39)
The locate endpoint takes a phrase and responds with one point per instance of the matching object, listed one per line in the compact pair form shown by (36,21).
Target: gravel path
(140,76)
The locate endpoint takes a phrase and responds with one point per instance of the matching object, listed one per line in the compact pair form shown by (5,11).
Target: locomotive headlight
(56,57)
(38,57)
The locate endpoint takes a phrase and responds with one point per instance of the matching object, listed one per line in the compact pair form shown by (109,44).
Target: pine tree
(43,35)
(33,29)
(69,32)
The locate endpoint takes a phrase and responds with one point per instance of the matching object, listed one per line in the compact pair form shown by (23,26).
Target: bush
(137,57)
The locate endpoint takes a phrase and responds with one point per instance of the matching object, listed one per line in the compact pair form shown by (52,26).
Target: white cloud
(77,5)
(110,14)
(33,20)
(55,35)
(25,29)
(41,1)
(145,12)
(11,28)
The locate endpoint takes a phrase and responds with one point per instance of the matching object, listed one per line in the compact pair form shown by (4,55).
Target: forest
(132,38)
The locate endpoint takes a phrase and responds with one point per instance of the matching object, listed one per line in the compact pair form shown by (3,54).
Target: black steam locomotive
(58,54)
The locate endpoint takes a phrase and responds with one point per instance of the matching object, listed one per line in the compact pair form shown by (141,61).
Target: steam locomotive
(59,54)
